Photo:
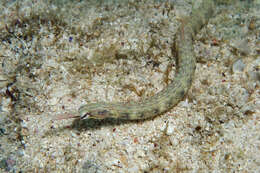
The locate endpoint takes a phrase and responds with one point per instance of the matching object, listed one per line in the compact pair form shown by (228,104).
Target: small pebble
(170,129)
(133,169)
(238,66)
(89,167)
(242,46)
(70,39)
(53,101)
(253,71)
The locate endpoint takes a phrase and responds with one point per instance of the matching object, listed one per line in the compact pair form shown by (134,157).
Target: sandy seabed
(58,55)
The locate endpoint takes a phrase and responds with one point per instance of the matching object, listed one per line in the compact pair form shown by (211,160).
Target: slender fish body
(171,95)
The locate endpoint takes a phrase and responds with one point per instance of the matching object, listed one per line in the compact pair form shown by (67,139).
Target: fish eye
(85,116)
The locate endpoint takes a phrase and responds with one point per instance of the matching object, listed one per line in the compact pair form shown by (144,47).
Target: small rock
(253,71)
(53,101)
(170,129)
(89,167)
(242,46)
(238,66)
(133,169)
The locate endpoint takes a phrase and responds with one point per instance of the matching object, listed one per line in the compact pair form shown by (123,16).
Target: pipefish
(166,99)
